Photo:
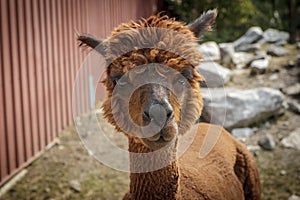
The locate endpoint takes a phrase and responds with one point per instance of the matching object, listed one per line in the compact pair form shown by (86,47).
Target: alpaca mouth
(161,138)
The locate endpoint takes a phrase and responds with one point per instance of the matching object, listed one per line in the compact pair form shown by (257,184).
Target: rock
(233,108)
(277,51)
(281,43)
(294,106)
(267,142)
(34,188)
(75,185)
(272,35)
(242,132)
(294,197)
(253,148)
(282,172)
(290,64)
(210,51)
(273,77)
(260,66)
(241,59)
(252,35)
(285,123)
(293,140)
(248,48)
(267,125)
(292,90)
(214,74)
(227,51)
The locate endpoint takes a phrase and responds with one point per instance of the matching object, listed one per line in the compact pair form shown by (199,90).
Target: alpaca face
(156,106)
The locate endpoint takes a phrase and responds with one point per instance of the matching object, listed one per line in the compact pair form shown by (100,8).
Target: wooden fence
(39,57)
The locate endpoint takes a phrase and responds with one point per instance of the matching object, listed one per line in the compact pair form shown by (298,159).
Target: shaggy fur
(228,171)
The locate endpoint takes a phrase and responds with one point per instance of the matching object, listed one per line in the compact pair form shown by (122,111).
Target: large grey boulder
(274,50)
(210,51)
(293,140)
(252,35)
(214,74)
(233,108)
(273,35)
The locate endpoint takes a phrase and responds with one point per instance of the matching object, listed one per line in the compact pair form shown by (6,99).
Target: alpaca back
(227,172)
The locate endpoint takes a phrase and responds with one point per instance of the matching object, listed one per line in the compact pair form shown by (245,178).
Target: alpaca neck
(160,184)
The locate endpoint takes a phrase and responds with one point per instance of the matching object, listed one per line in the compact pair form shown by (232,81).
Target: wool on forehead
(157,39)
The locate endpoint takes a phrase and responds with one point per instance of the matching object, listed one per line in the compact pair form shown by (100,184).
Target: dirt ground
(68,171)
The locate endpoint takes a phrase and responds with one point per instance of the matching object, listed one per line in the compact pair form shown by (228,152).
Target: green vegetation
(235,16)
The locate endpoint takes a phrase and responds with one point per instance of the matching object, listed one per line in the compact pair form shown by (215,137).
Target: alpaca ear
(91,41)
(203,23)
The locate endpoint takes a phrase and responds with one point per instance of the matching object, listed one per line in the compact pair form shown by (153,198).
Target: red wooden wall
(39,58)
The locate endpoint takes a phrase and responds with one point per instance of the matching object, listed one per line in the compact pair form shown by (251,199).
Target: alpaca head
(151,80)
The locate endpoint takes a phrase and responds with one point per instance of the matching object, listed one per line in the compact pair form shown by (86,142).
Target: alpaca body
(227,172)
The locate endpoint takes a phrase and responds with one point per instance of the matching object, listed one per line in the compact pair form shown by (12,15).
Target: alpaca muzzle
(159,113)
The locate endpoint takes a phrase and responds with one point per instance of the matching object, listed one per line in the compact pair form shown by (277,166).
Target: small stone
(242,132)
(285,123)
(75,185)
(61,147)
(259,66)
(267,142)
(282,172)
(277,51)
(273,77)
(241,59)
(294,106)
(293,140)
(34,188)
(291,64)
(267,125)
(294,197)
(253,148)
(47,190)
(292,90)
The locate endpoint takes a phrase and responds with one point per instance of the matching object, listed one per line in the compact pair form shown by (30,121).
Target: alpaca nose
(158,113)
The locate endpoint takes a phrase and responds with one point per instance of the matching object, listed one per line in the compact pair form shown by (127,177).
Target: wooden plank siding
(39,60)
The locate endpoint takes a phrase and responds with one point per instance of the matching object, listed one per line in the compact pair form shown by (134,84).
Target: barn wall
(39,59)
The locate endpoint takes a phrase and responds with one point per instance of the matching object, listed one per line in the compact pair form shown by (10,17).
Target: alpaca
(228,171)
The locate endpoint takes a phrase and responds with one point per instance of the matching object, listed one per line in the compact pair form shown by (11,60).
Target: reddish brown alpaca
(228,171)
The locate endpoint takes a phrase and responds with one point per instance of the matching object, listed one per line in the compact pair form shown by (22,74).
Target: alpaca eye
(181,82)
(115,79)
